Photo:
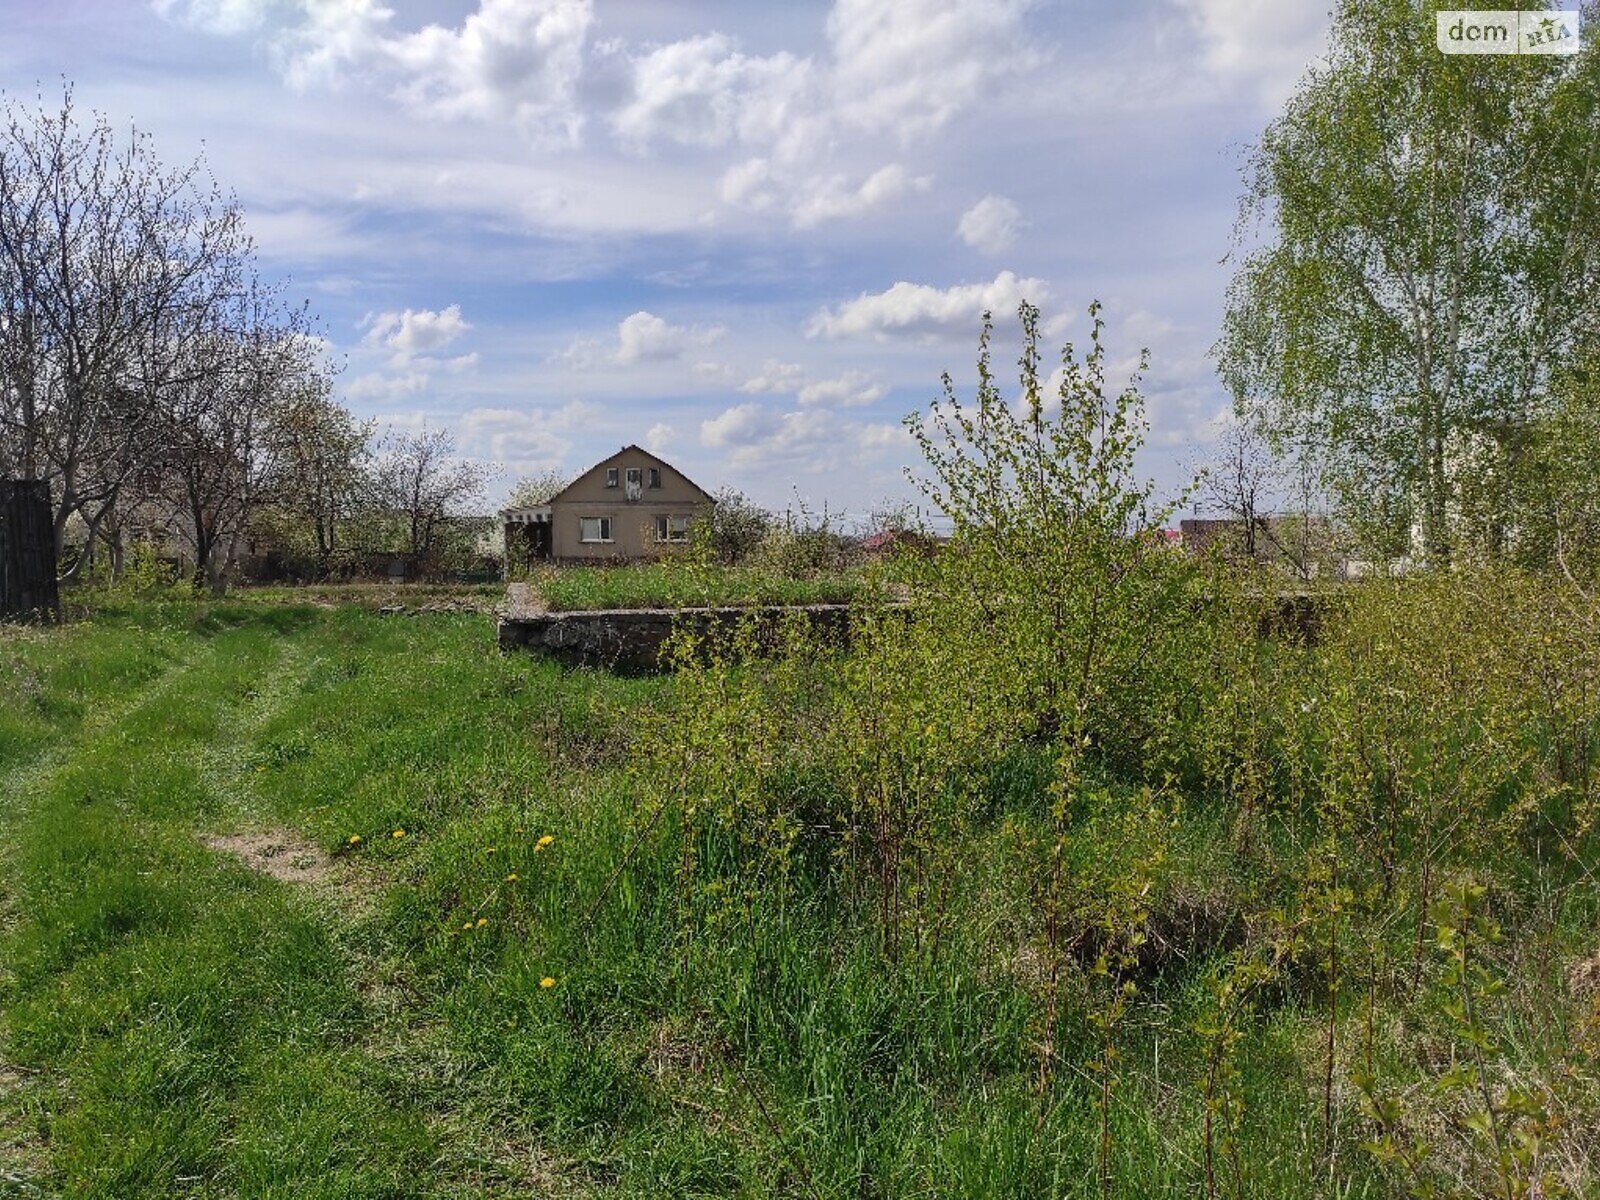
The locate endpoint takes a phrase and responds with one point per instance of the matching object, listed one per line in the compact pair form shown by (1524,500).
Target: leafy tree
(1433,253)
(735,527)
(1557,479)
(326,469)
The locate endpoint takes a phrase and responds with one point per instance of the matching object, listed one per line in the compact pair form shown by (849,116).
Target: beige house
(631,506)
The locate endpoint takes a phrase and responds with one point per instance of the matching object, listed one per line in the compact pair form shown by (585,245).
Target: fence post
(27,552)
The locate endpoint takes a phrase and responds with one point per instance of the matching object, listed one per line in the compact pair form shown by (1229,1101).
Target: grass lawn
(177,1023)
(310,902)
(180,1022)
(675,585)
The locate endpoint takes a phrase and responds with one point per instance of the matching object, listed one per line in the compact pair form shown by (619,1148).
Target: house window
(655,477)
(672,529)
(611,477)
(635,475)
(594,529)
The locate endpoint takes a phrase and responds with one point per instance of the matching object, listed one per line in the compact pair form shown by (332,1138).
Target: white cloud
(836,198)
(575,415)
(513,59)
(522,440)
(850,390)
(703,92)
(660,436)
(918,309)
(735,425)
(414,332)
(376,386)
(715,372)
(750,434)
(886,437)
(911,65)
(990,225)
(329,39)
(750,184)
(1264,44)
(774,378)
(410,338)
(645,337)
(900,66)
(225,17)
(641,337)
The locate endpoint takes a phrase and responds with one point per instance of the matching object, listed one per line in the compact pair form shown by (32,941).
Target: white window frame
(611,477)
(665,531)
(604,528)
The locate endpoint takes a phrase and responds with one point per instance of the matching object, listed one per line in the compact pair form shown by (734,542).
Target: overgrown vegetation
(675,583)
(1084,869)
(1063,882)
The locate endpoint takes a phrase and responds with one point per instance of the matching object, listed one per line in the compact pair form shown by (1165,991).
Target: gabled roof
(605,462)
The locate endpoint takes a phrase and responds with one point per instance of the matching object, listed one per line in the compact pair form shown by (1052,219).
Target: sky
(750,235)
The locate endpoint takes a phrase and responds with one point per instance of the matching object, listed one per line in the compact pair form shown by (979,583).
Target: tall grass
(1055,882)
(670,583)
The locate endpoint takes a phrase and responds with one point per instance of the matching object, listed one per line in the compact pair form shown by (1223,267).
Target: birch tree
(1431,253)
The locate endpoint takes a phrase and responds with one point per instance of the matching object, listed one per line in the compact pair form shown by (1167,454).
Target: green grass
(675,585)
(176,1023)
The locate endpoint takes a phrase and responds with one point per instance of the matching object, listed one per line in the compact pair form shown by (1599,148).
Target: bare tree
(108,263)
(225,424)
(421,480)
(1240,480)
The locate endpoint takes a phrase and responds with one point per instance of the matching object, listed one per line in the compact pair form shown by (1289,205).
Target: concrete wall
(632,639)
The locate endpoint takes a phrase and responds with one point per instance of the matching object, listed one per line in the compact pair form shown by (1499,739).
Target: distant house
(633,505)
(889,542)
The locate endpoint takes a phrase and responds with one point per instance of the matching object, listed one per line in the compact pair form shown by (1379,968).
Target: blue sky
(749,235)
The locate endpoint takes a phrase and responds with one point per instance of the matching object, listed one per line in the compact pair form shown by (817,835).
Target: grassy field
(313,902)
(178,1023)
(678,585)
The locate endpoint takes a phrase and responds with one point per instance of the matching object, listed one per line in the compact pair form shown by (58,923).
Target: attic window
(611,477)
(655,477)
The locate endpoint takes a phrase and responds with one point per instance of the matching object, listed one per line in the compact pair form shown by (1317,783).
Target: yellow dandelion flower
(482,921)
(488,849)
(398,834)
(544,841)
(355,839)
(468,925)
(547,982)
(511,878)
